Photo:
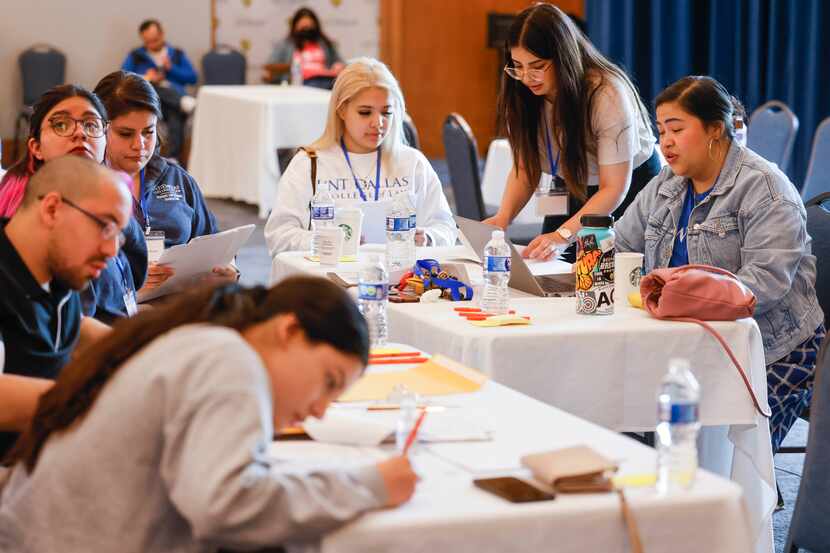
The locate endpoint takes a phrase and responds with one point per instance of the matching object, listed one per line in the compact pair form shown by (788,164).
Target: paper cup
(330,245)
(350,219)
(628,269)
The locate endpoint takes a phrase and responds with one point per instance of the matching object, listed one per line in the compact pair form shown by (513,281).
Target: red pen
(411,438)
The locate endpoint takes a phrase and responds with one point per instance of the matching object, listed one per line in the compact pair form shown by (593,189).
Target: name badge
(155,245)
(551,196)
(130,302)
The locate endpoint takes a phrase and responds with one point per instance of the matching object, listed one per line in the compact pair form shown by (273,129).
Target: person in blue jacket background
(167,198)
(170,71)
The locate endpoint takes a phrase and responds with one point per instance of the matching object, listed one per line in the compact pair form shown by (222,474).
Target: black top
(39,328)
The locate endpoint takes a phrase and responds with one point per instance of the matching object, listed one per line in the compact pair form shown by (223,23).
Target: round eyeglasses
(63,125)
(533,75)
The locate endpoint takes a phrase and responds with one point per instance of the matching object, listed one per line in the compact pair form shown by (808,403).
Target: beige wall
(95,35)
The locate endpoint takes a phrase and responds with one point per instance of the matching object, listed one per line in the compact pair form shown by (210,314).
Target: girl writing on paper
(68,119)
(168,200)
(158,439)
(718,203)
(362,161)
(572,114)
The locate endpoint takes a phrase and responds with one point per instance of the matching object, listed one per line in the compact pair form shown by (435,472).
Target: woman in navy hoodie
(167,198)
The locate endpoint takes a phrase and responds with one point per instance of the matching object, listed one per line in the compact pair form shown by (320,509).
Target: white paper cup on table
(628,270)
(331,245)
(350,219)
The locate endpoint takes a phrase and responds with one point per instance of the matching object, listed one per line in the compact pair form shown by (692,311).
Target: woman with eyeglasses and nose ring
(70,120)
(572,114)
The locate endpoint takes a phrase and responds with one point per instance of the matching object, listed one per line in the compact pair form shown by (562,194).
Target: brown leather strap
(764,410)
(630,524)
(312,155)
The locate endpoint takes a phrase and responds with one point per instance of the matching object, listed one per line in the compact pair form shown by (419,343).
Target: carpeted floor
(255,264)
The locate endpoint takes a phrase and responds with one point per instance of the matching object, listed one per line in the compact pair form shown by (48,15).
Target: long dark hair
(548,33)
(28,164)
(299,41)
(325,313)
(705,98)
(124,92)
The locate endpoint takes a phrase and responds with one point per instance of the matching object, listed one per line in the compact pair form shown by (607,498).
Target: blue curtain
(759,49)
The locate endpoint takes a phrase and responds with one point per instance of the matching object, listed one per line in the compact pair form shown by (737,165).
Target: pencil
(411,438)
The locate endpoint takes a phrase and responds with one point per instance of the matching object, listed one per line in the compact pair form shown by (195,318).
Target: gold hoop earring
(711,141)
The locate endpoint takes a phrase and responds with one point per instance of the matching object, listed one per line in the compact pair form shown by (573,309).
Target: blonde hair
(360,74)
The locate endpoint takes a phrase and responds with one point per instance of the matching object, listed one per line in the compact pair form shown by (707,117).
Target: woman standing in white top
(361,159)
(569,112)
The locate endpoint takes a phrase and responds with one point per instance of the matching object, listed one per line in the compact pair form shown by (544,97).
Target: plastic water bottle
(372,290)
(677,408)
(322,216)
(495,297)
(296,72)
(740,131)
(413,225)
(400,249)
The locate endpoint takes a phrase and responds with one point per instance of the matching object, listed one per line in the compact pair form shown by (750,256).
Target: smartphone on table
(513,489)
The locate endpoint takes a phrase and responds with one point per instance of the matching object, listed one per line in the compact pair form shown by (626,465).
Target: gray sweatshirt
(172,458)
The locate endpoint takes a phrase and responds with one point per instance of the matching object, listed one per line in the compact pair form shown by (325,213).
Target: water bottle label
(372,292)
(397,224)
(497,264)
(681,413)
(413,221)
(324,212)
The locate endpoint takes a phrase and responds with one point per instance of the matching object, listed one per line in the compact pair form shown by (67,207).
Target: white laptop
(559,282)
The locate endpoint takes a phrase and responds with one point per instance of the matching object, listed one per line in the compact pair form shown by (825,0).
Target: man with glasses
(69,223)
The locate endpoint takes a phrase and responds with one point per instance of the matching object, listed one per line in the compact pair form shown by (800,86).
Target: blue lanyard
(143,202)
(123,272)
(356,182)
(554,166)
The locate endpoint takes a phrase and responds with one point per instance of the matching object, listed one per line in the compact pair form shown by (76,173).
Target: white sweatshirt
(287,227)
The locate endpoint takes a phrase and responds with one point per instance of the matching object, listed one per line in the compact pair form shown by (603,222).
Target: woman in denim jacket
(721,204)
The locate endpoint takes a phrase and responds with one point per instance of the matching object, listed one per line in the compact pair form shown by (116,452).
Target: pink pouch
(698,293)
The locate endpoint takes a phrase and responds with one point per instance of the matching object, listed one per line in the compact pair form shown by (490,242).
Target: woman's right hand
(497,221)
(157,275)
(399,479)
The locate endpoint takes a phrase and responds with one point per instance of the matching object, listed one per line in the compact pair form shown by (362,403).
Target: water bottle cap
(498,234)
(679,363)
(595,220)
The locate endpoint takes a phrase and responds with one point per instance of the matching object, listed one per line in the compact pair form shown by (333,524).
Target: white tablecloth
(607,370)
(497,167)
(448,513)
(236,133)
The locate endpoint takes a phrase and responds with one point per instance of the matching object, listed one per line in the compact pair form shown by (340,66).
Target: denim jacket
(753,223)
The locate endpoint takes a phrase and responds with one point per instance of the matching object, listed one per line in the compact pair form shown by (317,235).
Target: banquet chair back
(818,171)
(771,132)
(462,163)
(410,132)
(224,65)
(41,68)
(809,529)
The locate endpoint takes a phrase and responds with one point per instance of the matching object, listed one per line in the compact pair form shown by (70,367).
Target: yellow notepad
(436,377)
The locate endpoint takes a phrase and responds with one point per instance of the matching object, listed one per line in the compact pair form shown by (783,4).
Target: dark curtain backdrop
(759,49)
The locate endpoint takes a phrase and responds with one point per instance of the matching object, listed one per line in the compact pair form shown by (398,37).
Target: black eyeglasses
(109,229)
(63,125)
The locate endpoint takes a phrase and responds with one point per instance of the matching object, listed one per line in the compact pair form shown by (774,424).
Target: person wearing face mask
(721,204)
(166,197)
(571,114)
(199,387)
(68,119)
(68,224)
(361,159)
(308,44)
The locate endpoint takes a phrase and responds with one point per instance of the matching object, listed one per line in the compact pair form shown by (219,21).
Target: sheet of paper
(198,257)
(478,458)
(438,376)
(463,252)
(339,427)
(305,452)
(555,266)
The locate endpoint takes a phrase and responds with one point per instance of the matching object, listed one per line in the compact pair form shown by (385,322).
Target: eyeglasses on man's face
(63,125)
(533,75)
(109,229)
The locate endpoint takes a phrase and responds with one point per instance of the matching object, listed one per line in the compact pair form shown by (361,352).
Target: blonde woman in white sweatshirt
(361,159)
